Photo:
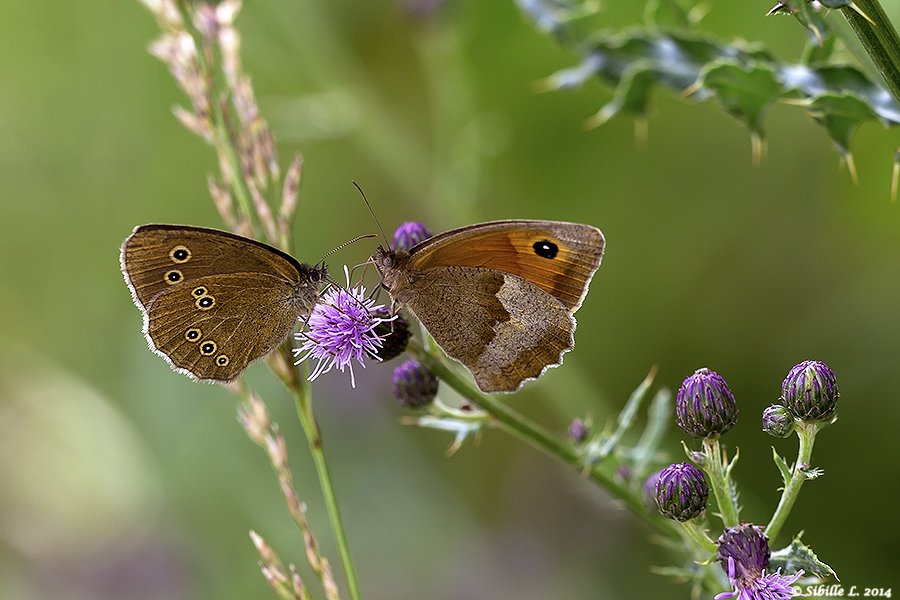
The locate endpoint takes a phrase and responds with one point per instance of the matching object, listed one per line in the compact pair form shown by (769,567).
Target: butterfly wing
(502,328)
(499,297)
(558,257)
(215,334)
(156,257)
(214,301)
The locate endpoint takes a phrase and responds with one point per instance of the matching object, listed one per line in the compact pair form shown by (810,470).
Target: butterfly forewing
(559,258)
(154,251)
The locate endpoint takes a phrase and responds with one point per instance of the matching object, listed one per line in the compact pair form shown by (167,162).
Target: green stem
(537,436)
(696,533)
(879,38)
(807,434)
(720,482)
(303,403)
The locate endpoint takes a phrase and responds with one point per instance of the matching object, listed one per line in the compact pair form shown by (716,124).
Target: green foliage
(744,79)
(782,465)
(798,556)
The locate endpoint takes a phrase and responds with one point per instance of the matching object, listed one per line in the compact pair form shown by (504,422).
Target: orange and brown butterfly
(498,297)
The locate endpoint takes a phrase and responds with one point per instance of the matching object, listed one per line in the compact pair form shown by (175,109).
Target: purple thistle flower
(772,586)
(578,431)
(744,555)
(408,235)
(394,333)
(648,492)
(341,328)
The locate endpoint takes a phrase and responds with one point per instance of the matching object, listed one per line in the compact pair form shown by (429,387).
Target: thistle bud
(681,492)
(394,334)
(810,391)
(408,235)
(578,431)
(413,384)
(777,421)
(705,407)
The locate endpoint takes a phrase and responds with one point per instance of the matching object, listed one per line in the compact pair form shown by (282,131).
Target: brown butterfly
(498,297)
(213,302)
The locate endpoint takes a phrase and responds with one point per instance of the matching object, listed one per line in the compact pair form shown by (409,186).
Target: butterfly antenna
(345,244)
(372,212)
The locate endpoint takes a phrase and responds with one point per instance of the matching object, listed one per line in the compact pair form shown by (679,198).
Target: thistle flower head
(810,391)
(413,384)
(408,235)
(705,407)
(681,492)
(341,328)
(744,555)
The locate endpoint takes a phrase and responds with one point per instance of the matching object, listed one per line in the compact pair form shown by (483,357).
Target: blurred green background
(121,479)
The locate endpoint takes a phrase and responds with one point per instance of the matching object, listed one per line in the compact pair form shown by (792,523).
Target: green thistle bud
(681,492)
(810,391)
(705,407)
(778,421)
(413,384)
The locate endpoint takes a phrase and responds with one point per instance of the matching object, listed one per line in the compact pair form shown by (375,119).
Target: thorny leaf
(744,79)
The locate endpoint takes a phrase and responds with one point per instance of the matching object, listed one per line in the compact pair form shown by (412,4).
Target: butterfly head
(317,273)
(389,264)
(306,289)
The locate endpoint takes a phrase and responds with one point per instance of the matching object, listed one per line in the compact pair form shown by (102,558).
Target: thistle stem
(879,38)
(720,482)
(537,437)
(693,530)
(807,434)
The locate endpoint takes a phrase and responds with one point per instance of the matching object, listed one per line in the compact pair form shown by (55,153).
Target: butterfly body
(213,302)
(499,297)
